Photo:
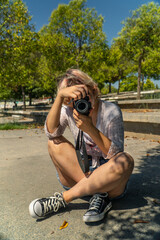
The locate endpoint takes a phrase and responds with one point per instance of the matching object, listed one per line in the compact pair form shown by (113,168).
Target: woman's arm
(100,139)
(54,115)
(74,92)
(110,144)
(85,124)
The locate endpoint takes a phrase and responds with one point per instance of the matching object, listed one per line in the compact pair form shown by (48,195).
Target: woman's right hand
(74,92)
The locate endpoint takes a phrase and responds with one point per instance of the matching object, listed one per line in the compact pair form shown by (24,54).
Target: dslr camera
(83,105)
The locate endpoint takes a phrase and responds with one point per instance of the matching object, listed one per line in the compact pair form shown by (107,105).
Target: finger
(78,124)
(75,117)
(86,90)
(78,94)
(79,116)
(83,89)
(75,112)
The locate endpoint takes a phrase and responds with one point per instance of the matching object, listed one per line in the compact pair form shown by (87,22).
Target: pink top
(109,122)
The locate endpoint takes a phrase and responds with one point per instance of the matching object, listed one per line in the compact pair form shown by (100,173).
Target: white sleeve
(62,126)
(116,135)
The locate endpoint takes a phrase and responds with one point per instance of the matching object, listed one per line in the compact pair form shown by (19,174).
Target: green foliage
(18,46)
(16,125)
(149,85)
(30,62)
(117,66)
(4,93)
(151,65)
(140,33)
(11,126)
(139,39)
(105,89)
(75,38)
(55,59)
(129,84)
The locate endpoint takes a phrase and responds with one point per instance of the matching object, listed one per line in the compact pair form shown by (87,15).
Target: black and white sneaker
(41,207)
(99,204)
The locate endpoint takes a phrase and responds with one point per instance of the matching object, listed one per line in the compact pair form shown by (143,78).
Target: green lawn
(11,126)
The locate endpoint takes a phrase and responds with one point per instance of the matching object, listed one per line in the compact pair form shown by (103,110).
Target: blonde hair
(75,77)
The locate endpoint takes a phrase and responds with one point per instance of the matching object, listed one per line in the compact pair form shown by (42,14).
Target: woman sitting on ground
(110,167)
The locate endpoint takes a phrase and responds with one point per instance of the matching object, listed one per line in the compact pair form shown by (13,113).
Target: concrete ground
(26,173)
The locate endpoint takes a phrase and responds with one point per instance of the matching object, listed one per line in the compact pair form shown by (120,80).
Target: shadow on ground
(142,201)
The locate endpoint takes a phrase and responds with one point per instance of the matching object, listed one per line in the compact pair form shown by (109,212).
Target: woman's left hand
(83,122)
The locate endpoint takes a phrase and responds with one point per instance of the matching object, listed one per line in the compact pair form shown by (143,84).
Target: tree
(129,83)
(140,36)
(149,85)
(55,59)
(18,46)
(117,66)
(151,65)
(106,89)
(4,94)
(83,43)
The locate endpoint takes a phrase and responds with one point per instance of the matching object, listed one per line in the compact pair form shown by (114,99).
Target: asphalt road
(26,173)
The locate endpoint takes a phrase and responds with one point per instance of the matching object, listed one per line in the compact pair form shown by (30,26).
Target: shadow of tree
(3,237)
(139,204)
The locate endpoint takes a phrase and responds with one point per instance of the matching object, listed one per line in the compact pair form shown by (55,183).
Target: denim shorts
(91,169)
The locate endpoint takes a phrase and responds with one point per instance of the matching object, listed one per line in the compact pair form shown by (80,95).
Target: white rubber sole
(31,211)
(98,217)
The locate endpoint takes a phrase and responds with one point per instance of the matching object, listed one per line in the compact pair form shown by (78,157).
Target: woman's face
(69,101)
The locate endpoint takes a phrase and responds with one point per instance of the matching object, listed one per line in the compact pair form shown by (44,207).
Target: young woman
(110,167)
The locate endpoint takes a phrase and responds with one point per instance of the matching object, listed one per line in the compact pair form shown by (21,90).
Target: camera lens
(82,107)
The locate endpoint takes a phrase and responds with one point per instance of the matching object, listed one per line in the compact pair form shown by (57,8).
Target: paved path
(26,172)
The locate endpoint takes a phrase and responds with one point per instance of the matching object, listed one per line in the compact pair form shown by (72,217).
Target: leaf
(140,221)
(64,225)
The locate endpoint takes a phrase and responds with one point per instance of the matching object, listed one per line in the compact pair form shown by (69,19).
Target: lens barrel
(83,106)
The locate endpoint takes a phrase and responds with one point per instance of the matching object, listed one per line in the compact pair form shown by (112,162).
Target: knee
(123,163)
(58,144)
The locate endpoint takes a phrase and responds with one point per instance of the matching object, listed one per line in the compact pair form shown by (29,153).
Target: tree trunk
(30,99)
(118,86)
(5,102)
(142,82)
(52,98)
(24,99)
(139,77)
(110,90)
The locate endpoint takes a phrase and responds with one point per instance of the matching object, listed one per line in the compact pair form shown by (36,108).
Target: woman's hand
(74,92)
(83,122)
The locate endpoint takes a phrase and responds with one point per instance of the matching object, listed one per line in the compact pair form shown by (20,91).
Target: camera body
(83,105)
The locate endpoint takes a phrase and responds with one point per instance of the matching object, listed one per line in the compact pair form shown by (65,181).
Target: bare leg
(111,177)
(63,155)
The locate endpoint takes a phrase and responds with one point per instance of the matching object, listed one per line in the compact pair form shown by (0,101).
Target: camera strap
(80,144)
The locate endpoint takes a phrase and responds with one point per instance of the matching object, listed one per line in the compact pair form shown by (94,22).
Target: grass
(11,126)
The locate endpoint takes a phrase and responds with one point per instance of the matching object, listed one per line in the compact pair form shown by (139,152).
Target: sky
(113,11)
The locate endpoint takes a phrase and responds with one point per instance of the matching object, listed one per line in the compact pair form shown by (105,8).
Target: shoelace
(52,204)
(95,202)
